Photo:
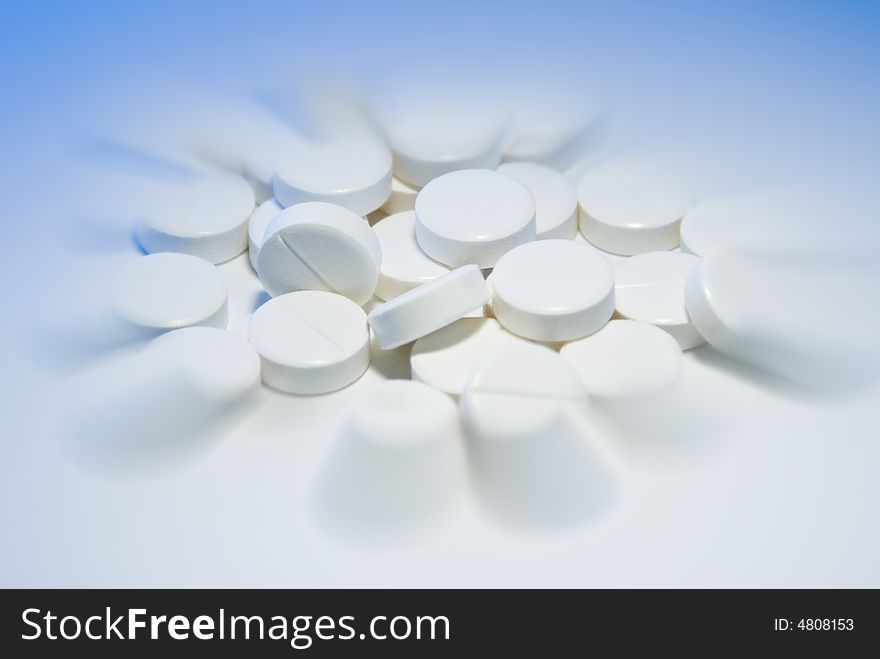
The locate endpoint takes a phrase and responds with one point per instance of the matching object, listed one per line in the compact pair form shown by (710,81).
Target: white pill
(429,307)
(260,219)
(519,392)
(555,199)
(625,359)
(402,197)
(207,218)
(473,216)
(432,138)
(552,123)
(310,342)
(355,174)
(779,218)
(650,288)
(804,315)
(553,290)
(321,247)
(169,291)
(445,359)
(404,264)
(628,208)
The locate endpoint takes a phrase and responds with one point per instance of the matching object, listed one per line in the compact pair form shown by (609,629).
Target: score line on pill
(320,246)
(310,342)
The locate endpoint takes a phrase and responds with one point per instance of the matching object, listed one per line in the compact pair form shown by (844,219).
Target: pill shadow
(558,481)
(391,364)
(377,500)
(137,161)
(678,427)
(259,300)
(833,385)
(151,433)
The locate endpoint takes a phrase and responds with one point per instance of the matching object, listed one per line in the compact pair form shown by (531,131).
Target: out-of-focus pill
(784,311)
(445,359)
(310,342)
(355,174)
(170,291)
(402,197)
(625,359)
(322,247)
(555,199)
(397,466)
(429,307)
(553,290)
(207,218)
(519,392)
(626,207)
(404,264)
(260,219)
(473,216)
(217,364)
(432,137)
(650,288)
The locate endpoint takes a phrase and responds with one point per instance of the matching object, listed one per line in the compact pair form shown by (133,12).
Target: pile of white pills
(517,292)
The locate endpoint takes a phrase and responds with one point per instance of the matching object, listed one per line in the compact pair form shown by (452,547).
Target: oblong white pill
(429,307)
(555,199)
(650,288)
(310,342)
(355,174)
(207,218)
(625,359)
(629,209)
(170,291)
(260,219)
(553,290)
(322,247)
(446,358)
(404,264)
(402,197)
(473,216)
(519,392)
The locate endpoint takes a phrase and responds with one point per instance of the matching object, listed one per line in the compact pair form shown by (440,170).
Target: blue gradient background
(757,92)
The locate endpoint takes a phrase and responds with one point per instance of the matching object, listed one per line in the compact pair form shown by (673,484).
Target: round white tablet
(445,359)
(519,392)
(321,247)
(429,307)
(629,209)
(433,137)
(473,216)
(310,342)
(207,218)
(169,291)
(625,359)
(555,199)
(553,290)
(355,174)
(650,288)
(404,264)
(402,197)
(260,219)
(216,364)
